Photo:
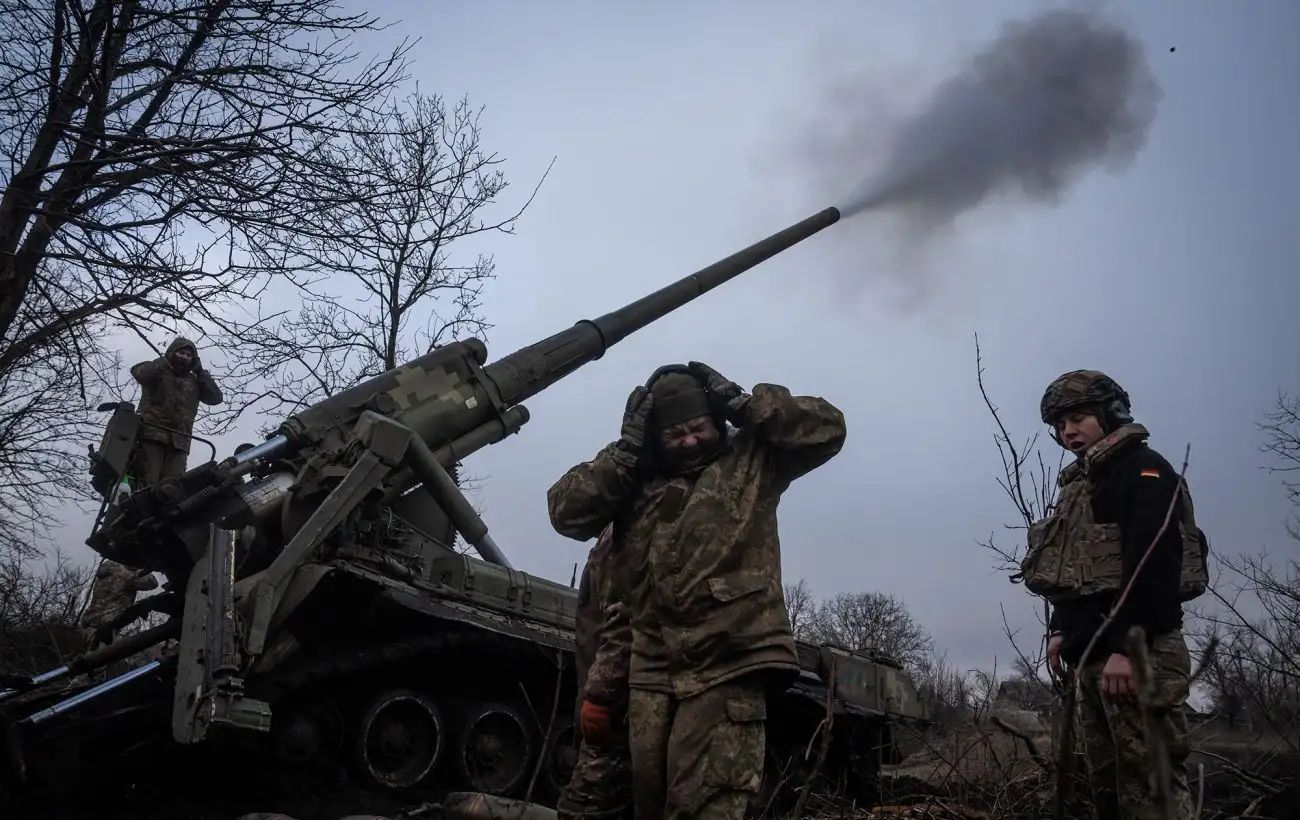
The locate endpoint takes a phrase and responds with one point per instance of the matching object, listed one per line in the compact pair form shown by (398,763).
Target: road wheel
(495,749)
(399,739)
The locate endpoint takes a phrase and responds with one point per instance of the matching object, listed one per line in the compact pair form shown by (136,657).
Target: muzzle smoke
(1050,99)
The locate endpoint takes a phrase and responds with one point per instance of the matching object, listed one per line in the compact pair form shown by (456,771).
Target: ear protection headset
(1113,414)
(716,411)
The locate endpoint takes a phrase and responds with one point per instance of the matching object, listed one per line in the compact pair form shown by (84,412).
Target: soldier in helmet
(694,510)
(601,784)
(1112,508)
(171,388)
(111,594)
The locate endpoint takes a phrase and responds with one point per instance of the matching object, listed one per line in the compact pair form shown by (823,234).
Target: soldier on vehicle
(1112,508)
(171,388)
(601,785)
(694,509)
(113,591)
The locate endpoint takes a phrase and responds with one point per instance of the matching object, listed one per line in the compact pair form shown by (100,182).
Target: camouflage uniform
(601,785)
(711,634)
(169,401)
(1112,505)
(111,594)
(1112,740)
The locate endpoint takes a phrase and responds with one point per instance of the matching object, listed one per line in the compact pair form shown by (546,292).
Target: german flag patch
(1150,473)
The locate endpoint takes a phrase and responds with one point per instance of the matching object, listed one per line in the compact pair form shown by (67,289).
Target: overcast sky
(674,123)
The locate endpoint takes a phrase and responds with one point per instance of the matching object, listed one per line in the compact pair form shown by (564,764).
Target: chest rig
(1069,555)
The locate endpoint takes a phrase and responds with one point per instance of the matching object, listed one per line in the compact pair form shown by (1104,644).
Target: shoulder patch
(1150,473)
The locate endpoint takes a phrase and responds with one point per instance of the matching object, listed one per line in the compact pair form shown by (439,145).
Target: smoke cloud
(1050,99)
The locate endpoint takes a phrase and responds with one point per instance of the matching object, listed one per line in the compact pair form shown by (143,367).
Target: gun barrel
(450,391)
(532,369)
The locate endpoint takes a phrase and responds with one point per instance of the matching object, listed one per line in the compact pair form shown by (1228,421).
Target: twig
(1028,741)
(1157,752)
(1200,791)
(1123,596)
(826,727)
(549,737)
(1250,779)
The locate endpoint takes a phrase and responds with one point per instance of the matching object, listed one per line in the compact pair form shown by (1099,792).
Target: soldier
(112,593)
(694,509)
(1112,508)
(601,785)
(171,388)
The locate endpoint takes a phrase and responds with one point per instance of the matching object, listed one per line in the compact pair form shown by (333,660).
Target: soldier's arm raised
(589,495)
(209,392)
(806,431)
(148,372)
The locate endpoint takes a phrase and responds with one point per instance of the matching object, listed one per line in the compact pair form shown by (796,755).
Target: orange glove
(595,723)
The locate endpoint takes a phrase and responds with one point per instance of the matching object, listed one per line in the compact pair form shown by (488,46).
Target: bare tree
(147,147)
(380,284)
(943,689)
(41,411)
(39,606)
(391,276)
(871,620)
(800,605)
(1031,484)
(1255,612)
(1281,430)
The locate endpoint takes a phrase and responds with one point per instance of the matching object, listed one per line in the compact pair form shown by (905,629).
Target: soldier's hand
(1054,652)
(727,393)
(1117,678)
(196,364)
(596,724)
(632,438)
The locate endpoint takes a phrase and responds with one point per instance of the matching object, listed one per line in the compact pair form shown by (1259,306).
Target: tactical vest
(1071,556)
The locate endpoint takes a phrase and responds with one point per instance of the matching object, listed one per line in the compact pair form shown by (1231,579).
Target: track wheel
(399,739)
(561,755)
(306,732)
(495,749)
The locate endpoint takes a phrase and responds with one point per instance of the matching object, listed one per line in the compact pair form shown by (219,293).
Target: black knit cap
(677,398)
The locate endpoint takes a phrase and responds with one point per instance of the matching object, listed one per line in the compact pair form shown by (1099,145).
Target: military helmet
(1080,388)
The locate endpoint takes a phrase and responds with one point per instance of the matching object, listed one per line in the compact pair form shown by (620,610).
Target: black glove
(196,364)
(731,399)
(630,450)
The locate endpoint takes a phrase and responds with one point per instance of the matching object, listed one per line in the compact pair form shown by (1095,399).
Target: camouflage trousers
(700,756)
(601,784)
(153,461)
(1112,738)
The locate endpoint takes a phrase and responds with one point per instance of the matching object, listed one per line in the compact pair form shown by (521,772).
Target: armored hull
(399,680)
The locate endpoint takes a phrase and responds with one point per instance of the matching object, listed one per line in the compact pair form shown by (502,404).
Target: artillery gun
(319,617)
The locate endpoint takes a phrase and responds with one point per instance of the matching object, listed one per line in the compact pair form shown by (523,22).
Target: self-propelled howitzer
(449,403)
(319,565)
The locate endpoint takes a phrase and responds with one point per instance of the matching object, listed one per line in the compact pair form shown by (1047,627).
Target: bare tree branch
(386,274)
(146,148)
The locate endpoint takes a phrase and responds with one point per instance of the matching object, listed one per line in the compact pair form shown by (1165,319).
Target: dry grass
(989,769)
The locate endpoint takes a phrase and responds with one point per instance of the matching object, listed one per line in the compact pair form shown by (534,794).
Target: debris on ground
(932,810)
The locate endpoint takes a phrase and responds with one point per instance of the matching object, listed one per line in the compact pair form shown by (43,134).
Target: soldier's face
(182,358)
(1079,431)
(688,444)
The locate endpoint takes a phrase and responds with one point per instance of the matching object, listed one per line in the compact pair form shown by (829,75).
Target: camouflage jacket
(603,631)
(701,553)
(170,400)
(113,591)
